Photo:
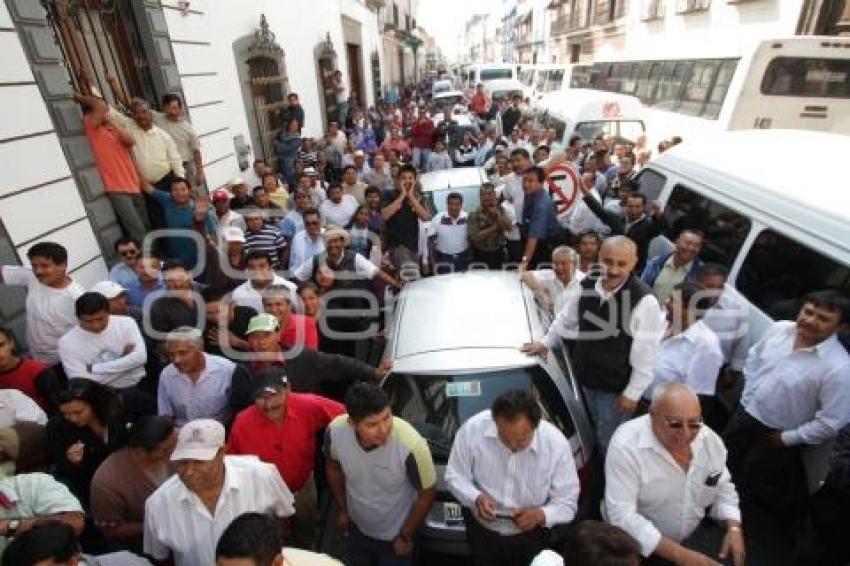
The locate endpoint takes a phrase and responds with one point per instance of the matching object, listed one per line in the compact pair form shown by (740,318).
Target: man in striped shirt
(515,476)
(265,237)
(382,477)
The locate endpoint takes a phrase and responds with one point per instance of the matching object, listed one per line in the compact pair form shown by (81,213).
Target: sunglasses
(679,425)
(128,253)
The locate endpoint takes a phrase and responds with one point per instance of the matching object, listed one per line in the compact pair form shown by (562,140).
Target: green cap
(263,323)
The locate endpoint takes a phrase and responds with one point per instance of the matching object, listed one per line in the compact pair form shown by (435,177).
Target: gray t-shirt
(181,132)
(381,484)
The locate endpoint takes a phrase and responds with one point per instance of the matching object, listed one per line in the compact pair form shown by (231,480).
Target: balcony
(376,4)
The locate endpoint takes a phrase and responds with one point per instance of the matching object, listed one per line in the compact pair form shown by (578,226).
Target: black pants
(489,548)
(493,260)
(771,476)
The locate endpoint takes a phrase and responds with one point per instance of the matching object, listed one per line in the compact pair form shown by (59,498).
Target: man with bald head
(616,324)
(662,471)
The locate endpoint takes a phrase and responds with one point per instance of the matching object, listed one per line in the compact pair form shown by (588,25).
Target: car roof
(450,178)
(447,94)
(747,167)
(473,320)
(578,103)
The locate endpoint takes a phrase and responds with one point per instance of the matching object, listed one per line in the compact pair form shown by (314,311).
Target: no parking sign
(563,187)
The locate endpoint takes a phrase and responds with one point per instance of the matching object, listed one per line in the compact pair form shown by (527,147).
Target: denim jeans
(603,411)
(367,551)
(420,157)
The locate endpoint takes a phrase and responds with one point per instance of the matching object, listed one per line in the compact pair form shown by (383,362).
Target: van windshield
(622,130)
(493,74)
(437,405)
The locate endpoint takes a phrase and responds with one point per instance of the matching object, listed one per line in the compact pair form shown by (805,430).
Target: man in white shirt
(516,476)
(186,515)
(554,284)
(447,232)
(662,471)
(727,317)
(338,209)
(796,393)
(102,347)
(512,190)
(352,182)
(616,324)
(261,276)
(51,294)
(689,352)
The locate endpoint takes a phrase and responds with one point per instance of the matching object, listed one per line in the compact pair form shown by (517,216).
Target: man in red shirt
(480,102)
(396,142)
(422,139)
(296,330)
(111,144)
(282,428)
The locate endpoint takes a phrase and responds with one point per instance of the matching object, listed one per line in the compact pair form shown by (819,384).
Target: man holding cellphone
(495,455)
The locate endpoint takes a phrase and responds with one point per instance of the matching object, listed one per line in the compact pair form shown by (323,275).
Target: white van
(781,228)
(485,72)
(589,112)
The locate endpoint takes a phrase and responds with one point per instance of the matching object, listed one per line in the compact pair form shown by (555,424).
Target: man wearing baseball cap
(226,218)
(280,428)
(185,517)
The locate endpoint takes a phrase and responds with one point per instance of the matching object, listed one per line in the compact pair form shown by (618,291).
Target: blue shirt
(291,224)
(304,248)
(182,217)
(136,294)
(122,274)
(538,216)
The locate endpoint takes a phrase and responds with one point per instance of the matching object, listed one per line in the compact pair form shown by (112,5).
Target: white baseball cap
(233,234)
(109,289)
(199,440)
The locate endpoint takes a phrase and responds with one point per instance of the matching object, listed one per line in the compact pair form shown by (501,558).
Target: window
(492,74)
(698,86)
(554,79)
(807,77)
(647,82)
(670,85)
(651,184)
(778,272)
(540,81)
(97,42)
(718,91)
(580,77)
(621,130)
(685,6)
(724,229)
(652,10)
(559,125)
(395,15)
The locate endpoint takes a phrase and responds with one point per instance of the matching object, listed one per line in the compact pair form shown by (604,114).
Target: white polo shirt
(450,233)
(338,214)
(245,295)
(649,496)
(178,523)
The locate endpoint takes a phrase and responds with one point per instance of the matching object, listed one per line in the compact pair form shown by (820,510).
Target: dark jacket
(290,112)
(656,264)
(308,372)
(641,232)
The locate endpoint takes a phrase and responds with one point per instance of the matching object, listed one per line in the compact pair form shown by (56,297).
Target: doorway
(355,76)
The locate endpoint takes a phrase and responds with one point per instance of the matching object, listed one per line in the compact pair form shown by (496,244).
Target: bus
(544,78)
(483,72)
(800,83)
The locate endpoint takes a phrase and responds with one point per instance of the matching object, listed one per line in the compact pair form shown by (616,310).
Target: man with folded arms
(661,472)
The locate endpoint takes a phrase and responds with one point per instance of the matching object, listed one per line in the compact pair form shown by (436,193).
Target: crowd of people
(199,405)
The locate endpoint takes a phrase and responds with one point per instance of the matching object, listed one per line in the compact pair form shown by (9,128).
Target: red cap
(221,194)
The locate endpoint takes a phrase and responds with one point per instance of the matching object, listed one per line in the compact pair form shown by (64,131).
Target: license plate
(452,514)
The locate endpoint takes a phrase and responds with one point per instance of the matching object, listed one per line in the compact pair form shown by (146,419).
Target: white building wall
(370,41)
(39,200)
(724,27)
(203,39)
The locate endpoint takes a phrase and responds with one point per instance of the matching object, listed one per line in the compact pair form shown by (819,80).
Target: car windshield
(435,201)
(437,405)
(448,100)
(493,74)
(506,94)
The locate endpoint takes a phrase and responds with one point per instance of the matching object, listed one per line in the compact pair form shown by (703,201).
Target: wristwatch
(12,527)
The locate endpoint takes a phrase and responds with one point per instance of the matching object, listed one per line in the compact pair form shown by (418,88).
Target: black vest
(345,279)
(601,353)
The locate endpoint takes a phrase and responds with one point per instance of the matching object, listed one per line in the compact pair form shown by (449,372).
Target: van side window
(724,229)
(778,272)
(651,184)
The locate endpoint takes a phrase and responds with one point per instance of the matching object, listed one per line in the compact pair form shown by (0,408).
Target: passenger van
(588,113)
(782,229)
(485,72)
